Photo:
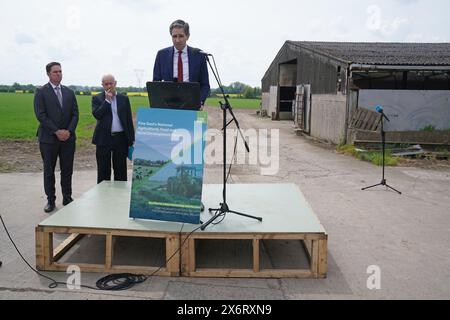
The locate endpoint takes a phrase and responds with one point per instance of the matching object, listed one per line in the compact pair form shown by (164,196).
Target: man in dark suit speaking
(114,132)
(56,109)
(182,63)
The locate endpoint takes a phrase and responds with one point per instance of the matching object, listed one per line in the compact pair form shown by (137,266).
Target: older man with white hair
(114,132)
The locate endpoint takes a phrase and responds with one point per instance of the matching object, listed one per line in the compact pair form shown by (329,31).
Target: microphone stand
(383,146)
(224,208)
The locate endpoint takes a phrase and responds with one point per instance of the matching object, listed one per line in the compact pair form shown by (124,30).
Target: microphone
(197,50)
(379,109)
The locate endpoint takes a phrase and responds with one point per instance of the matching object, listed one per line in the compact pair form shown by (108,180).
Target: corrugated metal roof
(383,53)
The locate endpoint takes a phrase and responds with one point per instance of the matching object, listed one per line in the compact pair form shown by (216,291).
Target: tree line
(85,90)
(238,89)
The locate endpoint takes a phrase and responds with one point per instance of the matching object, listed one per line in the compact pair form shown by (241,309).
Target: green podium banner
(168,165)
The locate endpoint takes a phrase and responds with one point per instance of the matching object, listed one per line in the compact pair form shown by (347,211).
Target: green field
(17,119)
(236,103)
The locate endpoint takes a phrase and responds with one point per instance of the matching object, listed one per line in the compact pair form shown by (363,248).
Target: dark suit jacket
(198,70)
(51,116)
(101,109)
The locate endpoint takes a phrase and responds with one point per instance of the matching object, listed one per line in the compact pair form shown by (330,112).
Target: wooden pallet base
(101,214)
(47,257)
(315,245)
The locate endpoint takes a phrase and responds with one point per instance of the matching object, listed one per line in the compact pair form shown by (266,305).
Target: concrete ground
(405,236)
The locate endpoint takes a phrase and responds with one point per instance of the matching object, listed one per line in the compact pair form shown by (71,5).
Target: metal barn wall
(271,77)
(319,71)
(288,75)
(328,117)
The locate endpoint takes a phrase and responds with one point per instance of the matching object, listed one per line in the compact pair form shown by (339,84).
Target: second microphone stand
(383,146)
(224,208)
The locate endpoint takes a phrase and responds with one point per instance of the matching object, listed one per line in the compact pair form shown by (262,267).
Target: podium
(174,95)
(168,157)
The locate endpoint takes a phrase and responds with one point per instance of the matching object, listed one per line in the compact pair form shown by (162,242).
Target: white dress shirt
(185,59)
(116,126)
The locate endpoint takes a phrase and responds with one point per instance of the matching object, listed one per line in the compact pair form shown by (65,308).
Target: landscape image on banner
(168,175)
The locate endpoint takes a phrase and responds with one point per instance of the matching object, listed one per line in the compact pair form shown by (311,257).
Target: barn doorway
(287,88)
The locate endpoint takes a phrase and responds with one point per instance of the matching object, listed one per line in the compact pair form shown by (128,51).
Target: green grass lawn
(17,119)
(236,103)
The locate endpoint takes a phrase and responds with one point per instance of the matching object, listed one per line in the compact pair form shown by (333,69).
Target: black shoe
(67,200)
(50,206)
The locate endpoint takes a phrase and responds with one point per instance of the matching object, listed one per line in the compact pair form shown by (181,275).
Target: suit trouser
(50,153)
(117,152)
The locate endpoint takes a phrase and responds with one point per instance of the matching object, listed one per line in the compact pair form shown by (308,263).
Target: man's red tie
(180,67)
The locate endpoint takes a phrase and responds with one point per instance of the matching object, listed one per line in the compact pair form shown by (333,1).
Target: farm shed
(330,89)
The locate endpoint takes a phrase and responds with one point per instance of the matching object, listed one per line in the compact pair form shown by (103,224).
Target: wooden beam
(323,260)
(66,245)
(184,255)
(315,258)
(172,253)
(40,254)
(248,273)
(187,256)
(256,262)
(115,232)
(308,247)
(192,262)
(87,267)
(109,251)
(251,236)
(48,249)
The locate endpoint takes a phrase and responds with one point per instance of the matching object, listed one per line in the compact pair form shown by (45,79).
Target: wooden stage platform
(103,211)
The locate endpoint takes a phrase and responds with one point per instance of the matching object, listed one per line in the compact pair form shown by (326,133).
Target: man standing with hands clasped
(56,109)
(114,132)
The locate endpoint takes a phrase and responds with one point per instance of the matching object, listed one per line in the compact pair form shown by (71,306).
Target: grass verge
(375,157)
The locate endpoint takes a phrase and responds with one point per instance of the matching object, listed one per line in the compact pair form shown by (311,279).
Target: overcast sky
(91,38)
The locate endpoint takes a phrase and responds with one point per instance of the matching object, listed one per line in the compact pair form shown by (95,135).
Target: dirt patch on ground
(24,156)
(425,163)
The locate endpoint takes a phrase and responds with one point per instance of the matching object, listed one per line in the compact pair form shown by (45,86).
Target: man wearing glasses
(114,132)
